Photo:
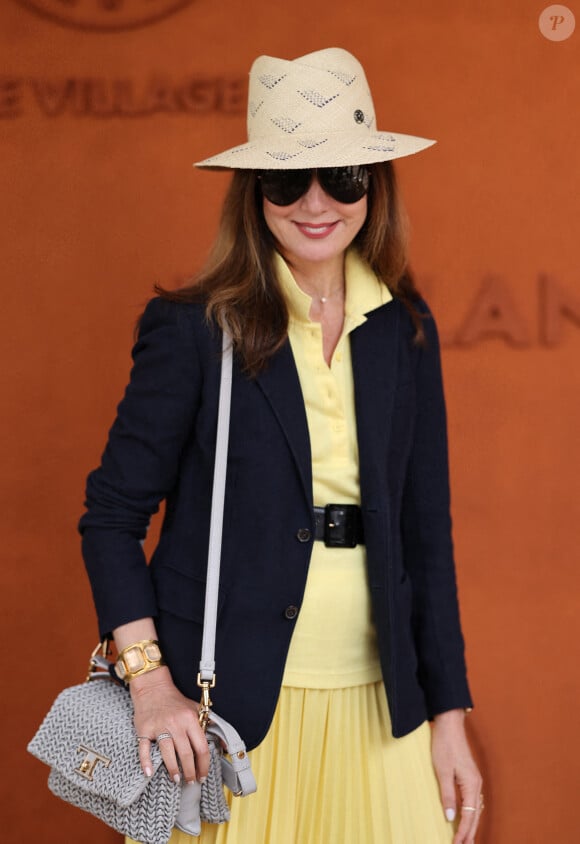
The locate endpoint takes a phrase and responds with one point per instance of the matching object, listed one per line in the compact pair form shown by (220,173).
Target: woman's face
(315,229)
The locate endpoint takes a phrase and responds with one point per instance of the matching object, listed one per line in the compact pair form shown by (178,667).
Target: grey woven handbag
(88,741)
(88,738)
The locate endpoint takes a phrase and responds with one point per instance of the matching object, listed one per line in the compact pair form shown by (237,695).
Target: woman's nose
(315,198)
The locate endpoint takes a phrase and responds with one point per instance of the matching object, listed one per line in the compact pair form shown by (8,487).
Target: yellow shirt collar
(364,292)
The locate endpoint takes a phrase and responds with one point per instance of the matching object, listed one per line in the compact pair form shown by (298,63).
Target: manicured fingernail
(450,814)
(176,778)
(202,780)
(148,772)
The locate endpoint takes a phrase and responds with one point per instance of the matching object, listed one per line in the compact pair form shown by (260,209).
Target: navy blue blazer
(161,447)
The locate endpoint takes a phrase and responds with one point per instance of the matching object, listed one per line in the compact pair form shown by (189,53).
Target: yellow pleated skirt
(330,772)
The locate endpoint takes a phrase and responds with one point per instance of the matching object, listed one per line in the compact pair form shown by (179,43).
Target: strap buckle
(205,703)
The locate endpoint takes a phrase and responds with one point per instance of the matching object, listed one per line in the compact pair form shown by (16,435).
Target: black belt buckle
(341,525)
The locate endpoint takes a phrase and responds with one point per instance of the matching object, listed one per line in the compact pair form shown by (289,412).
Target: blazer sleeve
(427,541)
(140,464)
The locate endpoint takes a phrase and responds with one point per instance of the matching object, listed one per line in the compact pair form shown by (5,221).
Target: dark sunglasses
(344,184)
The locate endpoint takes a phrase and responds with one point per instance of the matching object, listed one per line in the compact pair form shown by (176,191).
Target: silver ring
(163,736)
(468,809)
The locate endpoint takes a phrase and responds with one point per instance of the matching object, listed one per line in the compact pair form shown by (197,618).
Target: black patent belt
(339,525)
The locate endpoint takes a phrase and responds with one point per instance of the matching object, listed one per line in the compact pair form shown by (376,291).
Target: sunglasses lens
(345,184)
(283,187)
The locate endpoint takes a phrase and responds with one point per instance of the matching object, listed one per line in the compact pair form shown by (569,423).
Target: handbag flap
(88,737)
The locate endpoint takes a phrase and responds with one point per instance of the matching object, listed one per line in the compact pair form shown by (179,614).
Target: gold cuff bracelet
(137,659)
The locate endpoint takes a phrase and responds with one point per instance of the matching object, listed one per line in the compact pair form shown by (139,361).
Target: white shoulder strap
(207,662)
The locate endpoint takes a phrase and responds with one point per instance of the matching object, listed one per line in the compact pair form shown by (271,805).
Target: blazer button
(291,612)
(303,535)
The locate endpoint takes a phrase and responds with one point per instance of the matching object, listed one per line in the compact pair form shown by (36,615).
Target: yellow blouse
(334,642)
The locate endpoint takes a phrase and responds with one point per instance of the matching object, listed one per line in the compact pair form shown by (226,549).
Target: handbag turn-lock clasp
(92,758)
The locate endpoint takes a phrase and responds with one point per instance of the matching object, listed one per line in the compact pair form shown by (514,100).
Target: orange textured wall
(100,119)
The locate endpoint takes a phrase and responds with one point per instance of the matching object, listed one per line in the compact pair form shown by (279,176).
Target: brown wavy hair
(239,286)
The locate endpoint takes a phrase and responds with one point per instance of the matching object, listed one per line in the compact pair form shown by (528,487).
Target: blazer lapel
(374,348)
(281,386)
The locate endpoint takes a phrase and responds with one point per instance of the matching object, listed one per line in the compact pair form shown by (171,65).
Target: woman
(338,630)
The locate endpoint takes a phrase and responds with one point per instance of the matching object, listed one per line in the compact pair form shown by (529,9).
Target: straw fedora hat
(315,111)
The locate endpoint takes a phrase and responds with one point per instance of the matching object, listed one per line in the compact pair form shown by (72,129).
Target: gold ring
(468,809)
(143,738)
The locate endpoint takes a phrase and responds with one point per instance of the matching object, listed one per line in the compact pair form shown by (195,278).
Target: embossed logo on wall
(105,15)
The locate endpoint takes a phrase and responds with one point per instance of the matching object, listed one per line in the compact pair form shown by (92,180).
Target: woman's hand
(457,774)
(160,708)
